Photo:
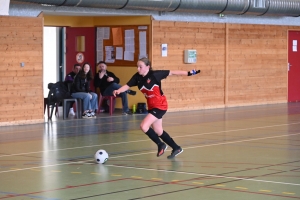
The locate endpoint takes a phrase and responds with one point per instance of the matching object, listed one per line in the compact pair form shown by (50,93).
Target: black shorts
(157,112)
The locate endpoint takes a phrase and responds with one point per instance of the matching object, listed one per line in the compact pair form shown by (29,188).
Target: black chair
(67,103)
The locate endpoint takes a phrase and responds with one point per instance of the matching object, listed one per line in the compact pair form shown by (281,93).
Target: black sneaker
(131,92)
(175,153)
(87,115)
(161,149)
(92,113)
(127,113)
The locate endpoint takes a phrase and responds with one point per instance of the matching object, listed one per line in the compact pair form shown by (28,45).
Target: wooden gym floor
(241,153)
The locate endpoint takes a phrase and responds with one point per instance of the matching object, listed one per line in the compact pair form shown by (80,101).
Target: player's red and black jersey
(150,86)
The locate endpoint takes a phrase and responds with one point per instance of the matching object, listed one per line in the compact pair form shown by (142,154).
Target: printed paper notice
(100,33)
(109,54)
(119,53)
(99,45)
(164,50)
(106,35)
(128,55)
(129,40)
(143,44)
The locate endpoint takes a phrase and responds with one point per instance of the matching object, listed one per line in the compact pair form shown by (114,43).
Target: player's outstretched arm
(185,73)
(120,90)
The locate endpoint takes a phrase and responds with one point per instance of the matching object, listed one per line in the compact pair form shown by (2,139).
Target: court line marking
(190,135)
(210,175)
(222,143)
(190,173)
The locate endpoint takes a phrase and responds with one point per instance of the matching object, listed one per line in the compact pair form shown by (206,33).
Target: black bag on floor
(141,108)
(57,92)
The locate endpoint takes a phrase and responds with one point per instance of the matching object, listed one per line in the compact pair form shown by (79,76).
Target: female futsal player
(149,83)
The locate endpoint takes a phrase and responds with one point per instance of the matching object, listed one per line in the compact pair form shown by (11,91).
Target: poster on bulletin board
(122,45)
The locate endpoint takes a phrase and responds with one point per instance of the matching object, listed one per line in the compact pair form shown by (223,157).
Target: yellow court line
(156,179)
(95,173)
(219,185)
(288,193)
(198,183)
(136,177)
(242,188)
(116,175)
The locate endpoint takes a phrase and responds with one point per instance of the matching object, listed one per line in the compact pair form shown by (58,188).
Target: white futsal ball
(101,156)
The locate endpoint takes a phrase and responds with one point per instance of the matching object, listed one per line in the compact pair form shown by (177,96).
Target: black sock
(153,136)
(167,139)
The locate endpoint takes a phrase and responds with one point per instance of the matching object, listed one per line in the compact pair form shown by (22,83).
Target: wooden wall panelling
(21,88)
(257,64)
(188,93)
(241,64)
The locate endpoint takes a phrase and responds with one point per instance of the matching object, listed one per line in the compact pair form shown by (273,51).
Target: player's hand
(193,72)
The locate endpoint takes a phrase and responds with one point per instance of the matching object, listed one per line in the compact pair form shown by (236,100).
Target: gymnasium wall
(257,64)
(241,64)
(21,88)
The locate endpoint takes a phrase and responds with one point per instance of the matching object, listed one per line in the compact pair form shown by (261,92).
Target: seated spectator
(81,90)
(70,79)
(108,82)
(71,76)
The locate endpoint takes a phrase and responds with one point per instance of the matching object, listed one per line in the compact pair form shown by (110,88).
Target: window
(80,43)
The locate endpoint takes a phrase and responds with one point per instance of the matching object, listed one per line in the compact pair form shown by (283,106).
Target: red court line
(67,187)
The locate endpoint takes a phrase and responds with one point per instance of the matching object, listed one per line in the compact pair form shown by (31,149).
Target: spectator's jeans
(109,92)
(88,103)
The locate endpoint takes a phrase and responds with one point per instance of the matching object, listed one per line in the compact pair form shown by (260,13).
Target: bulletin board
(122,45)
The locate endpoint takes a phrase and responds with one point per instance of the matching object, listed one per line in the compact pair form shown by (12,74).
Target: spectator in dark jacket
(81,90)
(108,82)
(71,76)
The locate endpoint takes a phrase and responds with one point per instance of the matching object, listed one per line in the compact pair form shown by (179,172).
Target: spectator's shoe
(161,149)
(71,112)
(87,115)
(131,92)
(92,113)
(127,113)
(175,152)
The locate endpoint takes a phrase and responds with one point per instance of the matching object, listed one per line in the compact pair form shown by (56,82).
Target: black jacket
(102,83)
(81,85)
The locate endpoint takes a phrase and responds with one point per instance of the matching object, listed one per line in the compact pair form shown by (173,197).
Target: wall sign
(80,58)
